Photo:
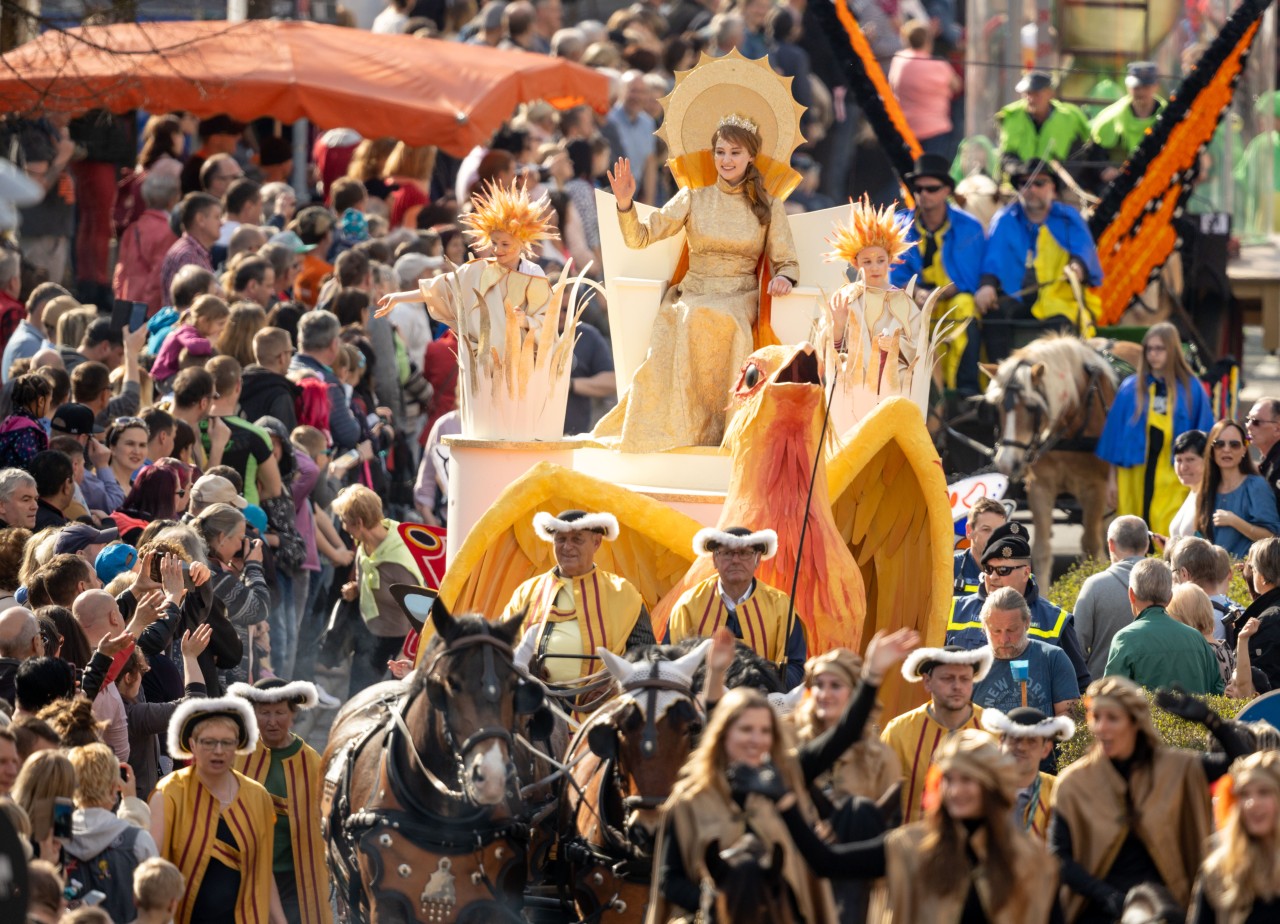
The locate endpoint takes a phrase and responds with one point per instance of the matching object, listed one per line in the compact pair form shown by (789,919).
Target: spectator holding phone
(238,579)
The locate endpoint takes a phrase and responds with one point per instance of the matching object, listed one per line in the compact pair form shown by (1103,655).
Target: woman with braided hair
(703,330)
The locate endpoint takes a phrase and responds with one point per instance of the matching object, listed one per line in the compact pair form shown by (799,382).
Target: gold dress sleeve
(779,244)
(660,225)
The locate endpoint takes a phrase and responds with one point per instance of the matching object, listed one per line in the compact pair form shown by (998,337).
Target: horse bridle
(1037,445)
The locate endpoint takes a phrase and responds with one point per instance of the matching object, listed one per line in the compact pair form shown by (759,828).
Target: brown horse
(421,807)
(1053,396)
(624,760)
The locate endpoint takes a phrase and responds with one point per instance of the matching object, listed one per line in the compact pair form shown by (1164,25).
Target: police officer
(1006,562)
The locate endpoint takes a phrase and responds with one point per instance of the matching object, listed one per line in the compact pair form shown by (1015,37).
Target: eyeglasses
(1228,444)
(1002,570)
(921,188)
(735,553)
(1040,181)
(1256,421)
(215,744)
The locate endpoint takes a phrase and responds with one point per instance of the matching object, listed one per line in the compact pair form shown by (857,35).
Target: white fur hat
(1026,722)
(546,526)
(923,660)
(194,711)
(735,537)
(302,693)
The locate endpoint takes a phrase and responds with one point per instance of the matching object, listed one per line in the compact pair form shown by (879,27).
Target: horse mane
(1062,387)
(747,669)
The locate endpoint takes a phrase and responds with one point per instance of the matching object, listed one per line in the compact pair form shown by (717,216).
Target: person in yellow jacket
(292,772)
(1039,126)
(576,607)
(1028,736)
(948,675)
(1120,127)
(214,823)
(758,615)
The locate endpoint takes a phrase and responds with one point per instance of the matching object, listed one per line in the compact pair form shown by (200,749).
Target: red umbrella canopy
(422,91)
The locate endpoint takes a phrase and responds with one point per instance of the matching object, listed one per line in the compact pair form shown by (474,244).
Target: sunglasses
(1257,421)
(129,422)
(1228,444)
(1002,570)
(920,187)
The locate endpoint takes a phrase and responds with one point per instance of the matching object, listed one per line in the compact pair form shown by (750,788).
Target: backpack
(111,873)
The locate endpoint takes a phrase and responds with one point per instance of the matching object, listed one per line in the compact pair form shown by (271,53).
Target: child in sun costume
(875,332)
(514,359)
(706,325)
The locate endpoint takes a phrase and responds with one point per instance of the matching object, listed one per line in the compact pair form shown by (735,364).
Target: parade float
(827,448)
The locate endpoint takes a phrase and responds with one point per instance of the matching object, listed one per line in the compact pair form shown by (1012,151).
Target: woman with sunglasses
(1235,506)
(1152,409)
(127,438)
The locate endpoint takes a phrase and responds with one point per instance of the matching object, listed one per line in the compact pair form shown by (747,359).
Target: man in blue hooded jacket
(948,248)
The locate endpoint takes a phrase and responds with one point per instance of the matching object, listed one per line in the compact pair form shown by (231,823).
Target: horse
(421,807)
(1053,396)
(749,885)
(624,762)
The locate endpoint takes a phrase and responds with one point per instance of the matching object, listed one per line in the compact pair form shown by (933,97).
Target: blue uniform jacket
(963,246)
(1124,440)
(1013,235)
(1049,623)
(964,574)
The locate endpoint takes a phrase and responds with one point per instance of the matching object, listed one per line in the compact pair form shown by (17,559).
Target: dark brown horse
(625,759)
(422,804)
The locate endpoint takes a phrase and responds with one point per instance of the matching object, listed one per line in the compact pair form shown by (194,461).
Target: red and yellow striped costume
(762,617)
(190,841)
(914,737)
(605,606)
(304,780)
(1035,818)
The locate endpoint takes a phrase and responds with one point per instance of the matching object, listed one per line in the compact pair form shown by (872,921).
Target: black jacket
(264,393)
(8,673)
(1264,647)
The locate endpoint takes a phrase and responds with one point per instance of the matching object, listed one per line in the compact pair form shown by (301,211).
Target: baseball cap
(115,559)
(292,241)
(214,489)
(1142,74)
(1034,81)
(78,536)
(74,420)
(256,517)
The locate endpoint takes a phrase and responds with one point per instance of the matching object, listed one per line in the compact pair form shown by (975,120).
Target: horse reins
(1037,445)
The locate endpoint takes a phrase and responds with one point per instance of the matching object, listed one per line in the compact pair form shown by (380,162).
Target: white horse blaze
(487,774)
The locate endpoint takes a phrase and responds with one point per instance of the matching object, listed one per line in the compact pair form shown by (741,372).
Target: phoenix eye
(751,377)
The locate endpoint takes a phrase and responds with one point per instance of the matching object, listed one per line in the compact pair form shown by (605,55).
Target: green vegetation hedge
(1176,732)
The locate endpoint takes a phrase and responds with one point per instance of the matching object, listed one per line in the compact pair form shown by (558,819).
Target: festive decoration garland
(1133,224)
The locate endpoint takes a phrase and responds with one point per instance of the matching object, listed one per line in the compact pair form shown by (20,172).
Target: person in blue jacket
(1033,244)
(947,247)
(1006,562)
(1152,408)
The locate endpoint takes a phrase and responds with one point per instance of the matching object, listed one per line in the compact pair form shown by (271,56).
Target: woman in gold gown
(703,331)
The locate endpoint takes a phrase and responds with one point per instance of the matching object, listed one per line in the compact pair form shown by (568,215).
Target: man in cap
(314,227)
(293,773)
(756,614)
(576,607)
(948,675)
(948,248)
(1033,244)
(84,540)
(1119,128)
(99,487)
(1006,562)
(1039,126)
(1028,736)
(985,517)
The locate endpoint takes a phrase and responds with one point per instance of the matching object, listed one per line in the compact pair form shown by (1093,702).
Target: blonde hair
(1247,869)
(72,326)
(408,160)
(842,663)
(740,130)
(705,769)
(868,227)
(157,883)
(309,438)
(97,772)
(45,775)
(244,320)
(508,209)
(1191,606)
(205,308)
(370,157)
(356,502)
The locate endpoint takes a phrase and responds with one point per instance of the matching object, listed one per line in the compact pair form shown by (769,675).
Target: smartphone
(93,897)
(155,567)
(62,809)
(127,315)
(124,774)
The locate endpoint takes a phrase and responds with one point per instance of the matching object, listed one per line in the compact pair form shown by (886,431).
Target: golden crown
(739,121)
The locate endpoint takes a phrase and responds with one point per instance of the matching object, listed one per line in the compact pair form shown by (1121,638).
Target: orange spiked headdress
(868,227)
(509,209)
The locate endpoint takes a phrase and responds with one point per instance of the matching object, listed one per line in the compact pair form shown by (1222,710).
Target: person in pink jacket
(144,244)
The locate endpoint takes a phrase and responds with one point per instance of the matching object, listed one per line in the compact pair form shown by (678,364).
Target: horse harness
(1038,445)
(430,865)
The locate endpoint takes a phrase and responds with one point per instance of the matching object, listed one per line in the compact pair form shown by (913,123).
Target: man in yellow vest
(758,615)
(1028,736)
(948,675)
(576,607)
(292,772)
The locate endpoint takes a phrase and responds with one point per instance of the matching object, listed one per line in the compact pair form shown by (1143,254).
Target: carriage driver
(293,774)
(1006,562)
(754,612)
(576,607)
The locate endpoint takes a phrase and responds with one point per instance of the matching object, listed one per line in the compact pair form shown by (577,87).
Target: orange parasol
(422,91)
